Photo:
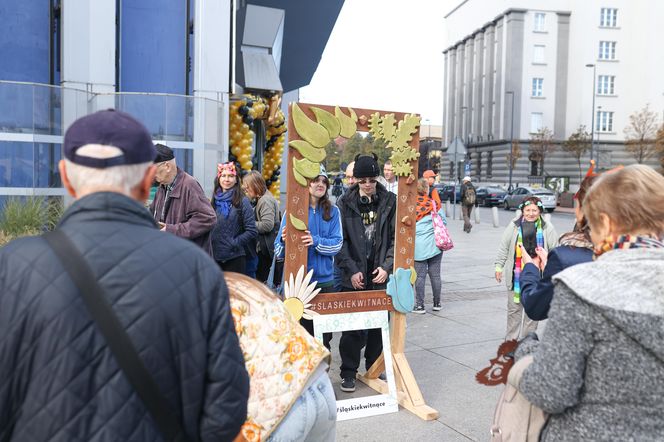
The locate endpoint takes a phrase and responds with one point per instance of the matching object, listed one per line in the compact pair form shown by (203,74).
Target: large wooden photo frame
(313,127)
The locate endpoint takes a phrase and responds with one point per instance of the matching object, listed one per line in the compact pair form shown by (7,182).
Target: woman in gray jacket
(599,369)
(532,232)
(266,212)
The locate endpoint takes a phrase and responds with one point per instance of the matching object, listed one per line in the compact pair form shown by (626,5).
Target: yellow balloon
(235,150)
(247,165)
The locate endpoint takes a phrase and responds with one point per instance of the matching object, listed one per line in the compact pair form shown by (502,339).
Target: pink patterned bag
(443,239)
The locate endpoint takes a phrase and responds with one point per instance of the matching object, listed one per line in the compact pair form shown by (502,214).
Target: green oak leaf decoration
(374,126)
(388,127)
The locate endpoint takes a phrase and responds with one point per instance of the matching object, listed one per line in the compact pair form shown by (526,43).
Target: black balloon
(249,120)
(243,110)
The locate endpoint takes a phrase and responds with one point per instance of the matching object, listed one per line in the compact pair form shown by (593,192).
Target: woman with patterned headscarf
(526,234)
(236,227)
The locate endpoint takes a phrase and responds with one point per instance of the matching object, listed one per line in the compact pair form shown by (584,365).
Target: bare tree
(641,135)
(541,145)
(516,154)
(577,145)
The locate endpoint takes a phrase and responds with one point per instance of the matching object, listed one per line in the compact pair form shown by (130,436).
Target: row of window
(603,121)
(608,18)
(605,86)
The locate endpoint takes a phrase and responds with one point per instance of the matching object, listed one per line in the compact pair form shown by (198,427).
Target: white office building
(513,67)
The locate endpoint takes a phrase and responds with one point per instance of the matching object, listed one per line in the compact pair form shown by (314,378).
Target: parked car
(490,196)
(549,200)
(446,192)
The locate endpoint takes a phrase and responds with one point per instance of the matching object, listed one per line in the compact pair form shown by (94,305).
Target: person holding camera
(366,258)
(528,233)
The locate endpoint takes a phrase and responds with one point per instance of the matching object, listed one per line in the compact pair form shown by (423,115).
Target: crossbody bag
(116,337)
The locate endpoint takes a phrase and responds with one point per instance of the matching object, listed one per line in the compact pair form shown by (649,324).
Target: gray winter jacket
(59,380)
(592,370)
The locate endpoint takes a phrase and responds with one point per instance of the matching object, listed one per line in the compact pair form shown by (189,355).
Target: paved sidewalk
(445,349)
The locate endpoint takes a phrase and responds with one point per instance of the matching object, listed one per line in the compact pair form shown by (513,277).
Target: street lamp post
(509,187)
(599,111)
(592,118)
(456,164)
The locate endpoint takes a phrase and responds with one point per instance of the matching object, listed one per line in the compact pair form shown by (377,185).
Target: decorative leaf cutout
(374,126)
(388,127)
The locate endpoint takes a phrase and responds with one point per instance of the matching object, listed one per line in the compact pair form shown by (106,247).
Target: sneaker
(348,385)
(382,376)
(436,308)
(419,310)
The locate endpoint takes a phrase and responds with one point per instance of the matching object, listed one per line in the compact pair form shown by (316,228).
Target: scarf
(518,262)
(423,207)
(575,239)
(628,242)
(223,201)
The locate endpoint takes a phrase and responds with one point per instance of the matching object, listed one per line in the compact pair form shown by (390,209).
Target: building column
(562,59)
(213,42)
(514,29)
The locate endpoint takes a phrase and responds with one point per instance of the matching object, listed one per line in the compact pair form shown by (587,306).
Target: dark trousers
(264,264)
(467,209)
(350,349)
(309,324)
(237,265)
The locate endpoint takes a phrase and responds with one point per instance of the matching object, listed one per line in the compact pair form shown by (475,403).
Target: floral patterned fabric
(280,357)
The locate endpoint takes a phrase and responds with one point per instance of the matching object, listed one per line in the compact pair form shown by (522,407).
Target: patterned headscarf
(226,167)
(628,242)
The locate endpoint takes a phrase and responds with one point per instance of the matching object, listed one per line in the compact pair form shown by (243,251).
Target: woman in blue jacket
(428,257)
(575,247)
(235,229)
(323,238)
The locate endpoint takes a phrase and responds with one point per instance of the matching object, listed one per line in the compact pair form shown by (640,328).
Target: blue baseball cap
(109,128)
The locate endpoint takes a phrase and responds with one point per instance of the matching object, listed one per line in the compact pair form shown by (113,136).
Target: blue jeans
(313,416)
(252,266)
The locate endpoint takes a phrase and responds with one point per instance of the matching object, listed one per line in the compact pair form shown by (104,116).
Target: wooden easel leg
(408,392)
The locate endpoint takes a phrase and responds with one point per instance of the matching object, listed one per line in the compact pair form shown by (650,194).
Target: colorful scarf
(223,201)
(518,262)
(424,206)
(628,242)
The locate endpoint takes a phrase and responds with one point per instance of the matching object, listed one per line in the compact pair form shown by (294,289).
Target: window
(537,87)
(538,54)
(535,122)
(539,22)
(607,50)
(605,84)
(608,17)
(604,121)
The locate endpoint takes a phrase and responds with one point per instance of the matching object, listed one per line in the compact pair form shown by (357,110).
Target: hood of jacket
(623,284)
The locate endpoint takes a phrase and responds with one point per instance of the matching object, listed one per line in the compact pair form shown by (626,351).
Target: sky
(384,55)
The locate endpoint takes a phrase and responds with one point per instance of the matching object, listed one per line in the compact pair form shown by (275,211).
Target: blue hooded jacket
(328,239)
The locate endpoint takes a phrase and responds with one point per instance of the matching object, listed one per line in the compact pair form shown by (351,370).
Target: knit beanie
(366,166)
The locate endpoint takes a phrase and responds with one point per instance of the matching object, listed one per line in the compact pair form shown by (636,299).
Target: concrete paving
(445,349)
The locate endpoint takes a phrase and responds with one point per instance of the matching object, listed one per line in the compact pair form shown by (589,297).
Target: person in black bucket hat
(366,258)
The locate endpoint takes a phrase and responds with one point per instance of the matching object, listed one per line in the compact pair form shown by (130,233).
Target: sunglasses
(367,180)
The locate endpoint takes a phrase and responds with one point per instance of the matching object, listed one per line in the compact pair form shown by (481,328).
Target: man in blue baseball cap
(61,375)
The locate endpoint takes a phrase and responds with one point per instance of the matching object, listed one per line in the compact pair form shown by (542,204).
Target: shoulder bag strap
(116,337)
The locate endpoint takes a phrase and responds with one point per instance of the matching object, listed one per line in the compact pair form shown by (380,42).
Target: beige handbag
(516,419)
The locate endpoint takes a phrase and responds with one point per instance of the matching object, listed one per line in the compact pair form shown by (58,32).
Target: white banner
(368,405)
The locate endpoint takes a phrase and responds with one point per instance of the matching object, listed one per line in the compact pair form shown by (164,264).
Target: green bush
(30,215)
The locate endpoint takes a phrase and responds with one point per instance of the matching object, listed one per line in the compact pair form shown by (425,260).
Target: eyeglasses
(367,180)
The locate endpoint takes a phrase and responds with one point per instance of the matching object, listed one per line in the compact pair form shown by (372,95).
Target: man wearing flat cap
(62,375)
(366,258)
(180,206)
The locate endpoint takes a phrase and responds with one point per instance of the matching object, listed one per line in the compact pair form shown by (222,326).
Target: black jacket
(351,259)
(58,379)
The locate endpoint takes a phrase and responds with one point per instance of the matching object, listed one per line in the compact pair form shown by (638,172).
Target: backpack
(469,195)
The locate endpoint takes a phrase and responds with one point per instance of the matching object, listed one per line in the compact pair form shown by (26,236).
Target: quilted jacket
(58,379)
